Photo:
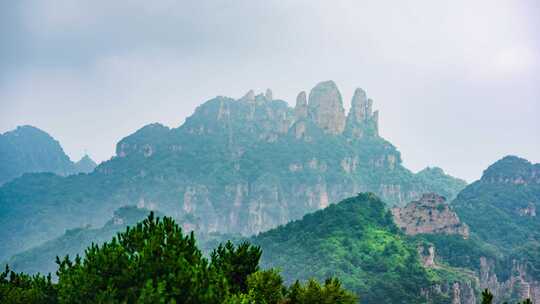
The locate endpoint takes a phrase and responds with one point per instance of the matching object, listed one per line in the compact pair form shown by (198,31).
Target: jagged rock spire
(268,95)
(359,105)
(375,119)
(301,108)
(361,120)
(250,96)
(325,107)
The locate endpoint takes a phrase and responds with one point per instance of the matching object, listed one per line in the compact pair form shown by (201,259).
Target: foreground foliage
(154,262)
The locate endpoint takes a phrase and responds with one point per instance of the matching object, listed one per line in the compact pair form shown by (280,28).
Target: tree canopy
(155,262)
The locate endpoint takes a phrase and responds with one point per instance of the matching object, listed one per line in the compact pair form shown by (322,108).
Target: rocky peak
(85,164)
(249,96)
(301,108)
(143,142)
(512,170)
(325,107)
(360,106)
(268,95)
(429,215)
(362,121)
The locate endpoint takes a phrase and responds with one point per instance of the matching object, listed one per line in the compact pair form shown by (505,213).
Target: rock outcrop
(427,256)
(268,95)
(325,107)
(300,115)
(519,285)
(362,121)
(429,215)
(301,108)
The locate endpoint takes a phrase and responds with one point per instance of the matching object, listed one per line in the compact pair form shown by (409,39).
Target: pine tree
(487,297)
(236,263)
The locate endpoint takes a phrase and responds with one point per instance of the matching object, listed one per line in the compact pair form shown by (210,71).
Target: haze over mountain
(428,250)
(235,166)
(228,170)
(445,75)
(28,150)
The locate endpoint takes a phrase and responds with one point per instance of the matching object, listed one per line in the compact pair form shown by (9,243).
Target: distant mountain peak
(28,149)
(512,169)
(85,164)
(28,130)
(322,109)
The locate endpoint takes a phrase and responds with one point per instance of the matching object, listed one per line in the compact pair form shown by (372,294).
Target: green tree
(487,297)
(22,288)
(266,287)
(331,292)
(151,260)
(236,263)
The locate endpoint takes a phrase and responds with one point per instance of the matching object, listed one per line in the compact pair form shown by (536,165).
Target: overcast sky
(457,82)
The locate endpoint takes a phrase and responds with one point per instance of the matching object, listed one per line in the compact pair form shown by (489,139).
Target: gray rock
(325,107)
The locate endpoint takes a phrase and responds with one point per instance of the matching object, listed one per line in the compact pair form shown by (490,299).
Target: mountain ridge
(234,166)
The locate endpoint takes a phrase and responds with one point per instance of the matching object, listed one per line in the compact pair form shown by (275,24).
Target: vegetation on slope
(355,240)
(154,262)
(501,209)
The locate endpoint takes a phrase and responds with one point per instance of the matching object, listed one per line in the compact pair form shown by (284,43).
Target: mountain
(504,199)
(28,149)
(357,241)
(235,166)
(426,250)
(85,165)
(501,210)
(74,241)
(41,259)
(489,232)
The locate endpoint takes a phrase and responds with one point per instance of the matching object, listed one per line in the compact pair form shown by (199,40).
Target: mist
(456,83)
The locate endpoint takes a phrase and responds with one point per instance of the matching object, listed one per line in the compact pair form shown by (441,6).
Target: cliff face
(235,166)
(520,284)
(429,215)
